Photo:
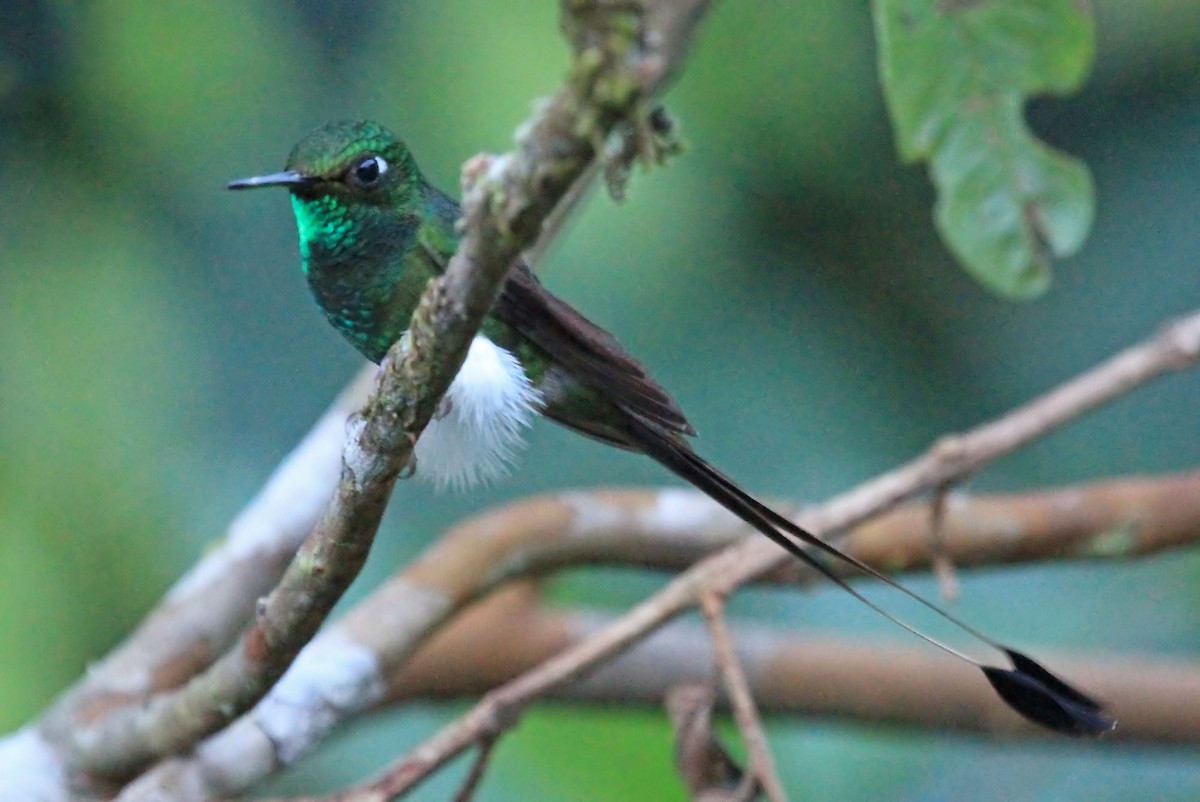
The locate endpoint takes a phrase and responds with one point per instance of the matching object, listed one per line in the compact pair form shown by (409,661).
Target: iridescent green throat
(325,222)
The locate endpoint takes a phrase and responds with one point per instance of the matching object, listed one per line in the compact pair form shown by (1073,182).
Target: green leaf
(956,75)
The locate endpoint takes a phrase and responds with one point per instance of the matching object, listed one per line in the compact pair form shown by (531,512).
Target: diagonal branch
(623,52)
(369,657)
(208,607)
(1118,518)
(1111,519)
(1175,348)
(789,673)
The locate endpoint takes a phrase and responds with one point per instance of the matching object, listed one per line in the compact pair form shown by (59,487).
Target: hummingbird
(373,232)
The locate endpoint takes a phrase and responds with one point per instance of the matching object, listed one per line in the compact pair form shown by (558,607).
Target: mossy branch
(618,63)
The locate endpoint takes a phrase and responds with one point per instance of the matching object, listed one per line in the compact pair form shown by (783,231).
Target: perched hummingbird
(373,232)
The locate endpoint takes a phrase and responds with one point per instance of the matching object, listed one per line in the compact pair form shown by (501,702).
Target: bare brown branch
(667,529)
(789,672)
(1175,348)
(1121,519)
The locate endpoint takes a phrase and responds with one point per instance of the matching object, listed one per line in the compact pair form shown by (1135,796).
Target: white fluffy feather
(477,436)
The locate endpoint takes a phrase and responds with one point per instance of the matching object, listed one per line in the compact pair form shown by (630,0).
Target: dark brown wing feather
(589,352)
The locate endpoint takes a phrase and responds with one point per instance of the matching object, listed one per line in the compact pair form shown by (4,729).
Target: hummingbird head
(351,162)
(355,190)
(358,199)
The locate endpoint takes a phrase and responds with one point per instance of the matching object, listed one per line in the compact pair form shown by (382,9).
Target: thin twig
(478,768)
(745,712)
(943,566)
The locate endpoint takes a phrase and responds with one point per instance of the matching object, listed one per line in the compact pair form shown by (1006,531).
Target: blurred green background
(159,352)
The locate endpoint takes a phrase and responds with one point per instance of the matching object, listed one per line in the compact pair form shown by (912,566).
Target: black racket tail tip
(1042,697)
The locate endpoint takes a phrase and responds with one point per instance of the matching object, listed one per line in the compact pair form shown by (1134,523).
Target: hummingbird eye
(368,172)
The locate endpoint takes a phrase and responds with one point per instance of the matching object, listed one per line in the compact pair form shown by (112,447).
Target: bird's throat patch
(323,222)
